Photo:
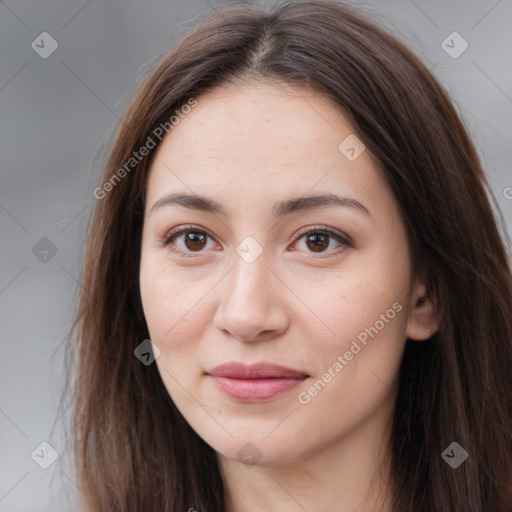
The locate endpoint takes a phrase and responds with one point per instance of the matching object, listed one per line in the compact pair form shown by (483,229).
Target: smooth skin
(299,304)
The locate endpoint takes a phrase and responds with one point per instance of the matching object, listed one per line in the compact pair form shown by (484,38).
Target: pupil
(324,242)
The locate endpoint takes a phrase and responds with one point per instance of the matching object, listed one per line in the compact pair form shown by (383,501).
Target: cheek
(356,367)
(172,308)
(348,302)
(362,310)
(170,302)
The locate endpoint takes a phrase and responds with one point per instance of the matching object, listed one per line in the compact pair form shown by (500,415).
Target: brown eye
(187,241)
(317,242)
(195,241)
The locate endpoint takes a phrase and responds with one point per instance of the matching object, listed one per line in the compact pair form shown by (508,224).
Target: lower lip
(255,389)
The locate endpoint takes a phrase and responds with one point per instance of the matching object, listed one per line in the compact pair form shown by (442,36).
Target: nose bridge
(249,304)
(249,276)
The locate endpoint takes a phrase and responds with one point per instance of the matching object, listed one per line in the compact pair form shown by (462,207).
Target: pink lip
(257,382)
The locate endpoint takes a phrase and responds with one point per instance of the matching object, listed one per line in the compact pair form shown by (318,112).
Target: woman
(295,216)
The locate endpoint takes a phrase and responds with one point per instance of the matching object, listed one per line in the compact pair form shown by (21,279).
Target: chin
(256,451)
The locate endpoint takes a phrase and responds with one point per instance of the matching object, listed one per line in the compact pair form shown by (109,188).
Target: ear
(424,314)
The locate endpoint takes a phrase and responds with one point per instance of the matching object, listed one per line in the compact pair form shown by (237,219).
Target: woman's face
(265,275)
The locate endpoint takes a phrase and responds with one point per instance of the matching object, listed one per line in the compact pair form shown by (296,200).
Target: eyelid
(322,228)
(166,239)
(344,240)
(181,230)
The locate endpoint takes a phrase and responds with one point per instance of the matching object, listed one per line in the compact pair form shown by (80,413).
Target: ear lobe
(424,315)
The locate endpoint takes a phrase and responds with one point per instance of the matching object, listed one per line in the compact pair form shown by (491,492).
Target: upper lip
(255,371)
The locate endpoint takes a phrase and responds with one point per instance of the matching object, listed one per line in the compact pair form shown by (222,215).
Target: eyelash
(172,235)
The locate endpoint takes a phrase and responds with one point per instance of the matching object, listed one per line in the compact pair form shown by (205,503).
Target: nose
(252,302)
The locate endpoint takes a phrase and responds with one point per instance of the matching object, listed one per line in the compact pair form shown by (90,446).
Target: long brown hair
(133,449)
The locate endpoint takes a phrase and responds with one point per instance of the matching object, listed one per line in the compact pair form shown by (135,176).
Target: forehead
(262,139)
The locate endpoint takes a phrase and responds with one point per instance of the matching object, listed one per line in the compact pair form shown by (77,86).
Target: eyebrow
(280,209)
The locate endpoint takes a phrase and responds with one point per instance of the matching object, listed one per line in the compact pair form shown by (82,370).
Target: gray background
(56,112)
